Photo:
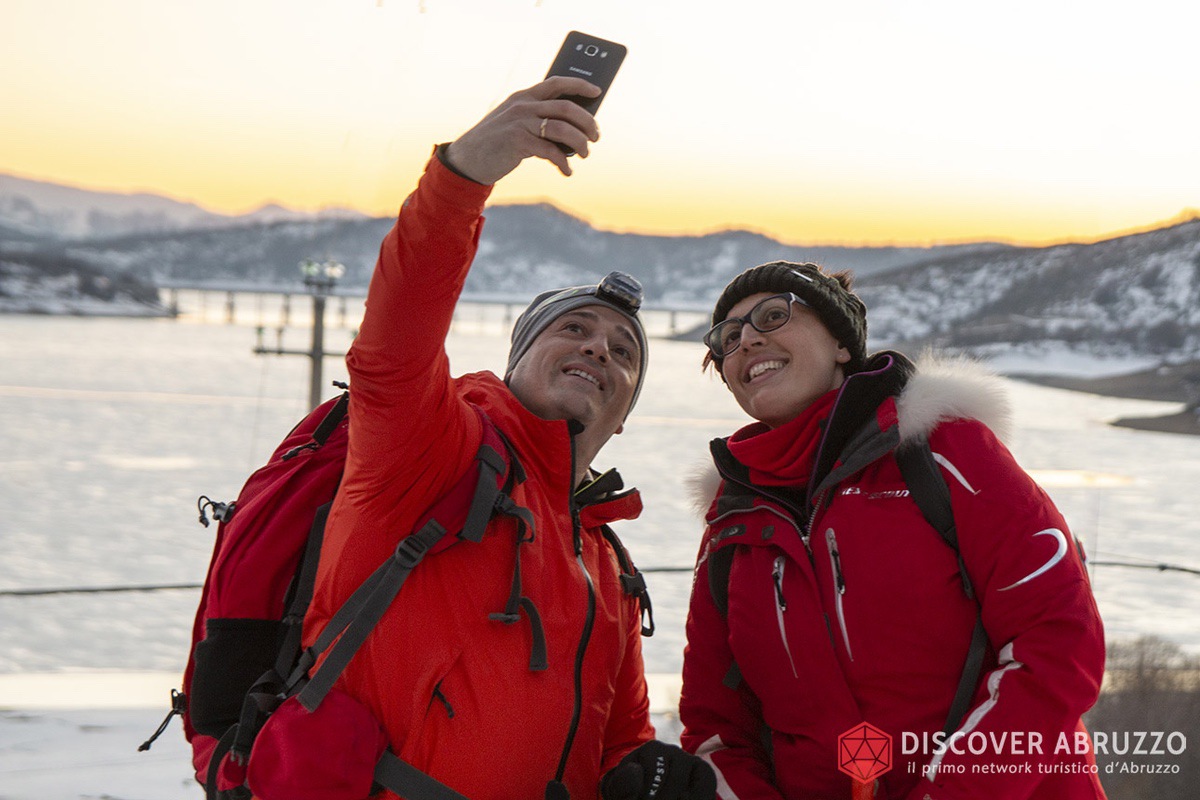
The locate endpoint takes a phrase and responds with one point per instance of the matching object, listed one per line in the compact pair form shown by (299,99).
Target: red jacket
(857,613)
(453,688)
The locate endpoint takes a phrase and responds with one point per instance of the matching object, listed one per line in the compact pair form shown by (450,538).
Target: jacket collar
(863,425)
(889,403)
(544,447)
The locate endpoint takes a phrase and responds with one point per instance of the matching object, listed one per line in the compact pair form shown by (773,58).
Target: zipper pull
(441,698)
(831,540)
(806,526)
(777,579)
(576,531)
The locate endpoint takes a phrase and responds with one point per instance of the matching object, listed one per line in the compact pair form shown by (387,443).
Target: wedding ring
(542,128)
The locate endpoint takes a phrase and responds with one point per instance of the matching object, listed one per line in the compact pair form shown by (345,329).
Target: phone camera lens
(591,50)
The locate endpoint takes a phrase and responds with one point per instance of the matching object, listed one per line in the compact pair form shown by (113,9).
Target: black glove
(659,771)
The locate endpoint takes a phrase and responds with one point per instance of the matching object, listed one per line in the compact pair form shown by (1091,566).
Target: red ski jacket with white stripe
(845,606)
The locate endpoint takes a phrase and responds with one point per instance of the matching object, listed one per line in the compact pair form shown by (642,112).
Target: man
(455,688)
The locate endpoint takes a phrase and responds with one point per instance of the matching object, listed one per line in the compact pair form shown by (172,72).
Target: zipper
(781,607)
(795,512)
(812,517)
(589,619)
(839,583)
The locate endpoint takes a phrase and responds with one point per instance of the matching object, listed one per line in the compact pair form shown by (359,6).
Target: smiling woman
(817,500)
(793,368)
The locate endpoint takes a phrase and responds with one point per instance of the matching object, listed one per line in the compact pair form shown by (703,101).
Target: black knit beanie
(840,309)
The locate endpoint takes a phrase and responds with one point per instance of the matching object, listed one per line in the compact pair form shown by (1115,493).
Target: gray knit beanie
(839,309)
(618,291)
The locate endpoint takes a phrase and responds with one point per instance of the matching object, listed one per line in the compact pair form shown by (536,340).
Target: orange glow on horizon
(887,126)
(827,219)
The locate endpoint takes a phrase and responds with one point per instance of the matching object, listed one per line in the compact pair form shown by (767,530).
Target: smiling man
(511,667)
(580,354)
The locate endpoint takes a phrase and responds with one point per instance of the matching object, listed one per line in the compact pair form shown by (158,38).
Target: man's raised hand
(529,123)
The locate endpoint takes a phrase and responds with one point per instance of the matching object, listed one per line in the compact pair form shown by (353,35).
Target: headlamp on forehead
(621,290)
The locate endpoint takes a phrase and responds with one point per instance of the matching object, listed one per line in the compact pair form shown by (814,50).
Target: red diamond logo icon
(864,752)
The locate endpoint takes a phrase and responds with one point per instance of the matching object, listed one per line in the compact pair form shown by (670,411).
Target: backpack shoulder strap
(632,581)
(929,491)
(349,627)
(333,417)
(300,593)
(720,563)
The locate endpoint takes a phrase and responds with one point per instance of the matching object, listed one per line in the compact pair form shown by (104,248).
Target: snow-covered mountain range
(34,210)
(1136,294)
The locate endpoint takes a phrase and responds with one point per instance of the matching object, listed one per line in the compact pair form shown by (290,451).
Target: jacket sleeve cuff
(443,185)
(440,151)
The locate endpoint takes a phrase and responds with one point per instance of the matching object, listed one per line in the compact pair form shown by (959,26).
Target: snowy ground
(67,754)
(68,736)
(74,736)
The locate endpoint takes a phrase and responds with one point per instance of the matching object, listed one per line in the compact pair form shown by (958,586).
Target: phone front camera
(591,50)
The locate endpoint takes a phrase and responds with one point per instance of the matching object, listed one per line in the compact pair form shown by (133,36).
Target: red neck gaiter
(783,456)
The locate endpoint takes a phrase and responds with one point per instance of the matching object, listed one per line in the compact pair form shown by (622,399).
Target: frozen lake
(111,428)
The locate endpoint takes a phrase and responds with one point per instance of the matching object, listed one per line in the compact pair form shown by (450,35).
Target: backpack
(247,661)
(929,491)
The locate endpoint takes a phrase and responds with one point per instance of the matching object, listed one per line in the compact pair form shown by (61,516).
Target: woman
(832,602)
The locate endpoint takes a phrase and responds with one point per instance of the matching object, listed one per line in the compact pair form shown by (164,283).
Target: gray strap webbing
(970,676)
(384,584)
(404,779)
(491,465)
(929,491)
(733,676)
(361,612)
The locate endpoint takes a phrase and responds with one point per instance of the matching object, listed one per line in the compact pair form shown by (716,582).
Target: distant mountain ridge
(524,247)
(1134,295)
(43,210)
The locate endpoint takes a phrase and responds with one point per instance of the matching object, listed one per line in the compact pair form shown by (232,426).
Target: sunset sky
(854,121)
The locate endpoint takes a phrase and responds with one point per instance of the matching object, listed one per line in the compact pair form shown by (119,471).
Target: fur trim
(952,387)
(944,388)
(700,484)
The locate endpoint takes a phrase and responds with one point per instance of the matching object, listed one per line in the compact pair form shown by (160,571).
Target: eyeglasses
(770,314)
